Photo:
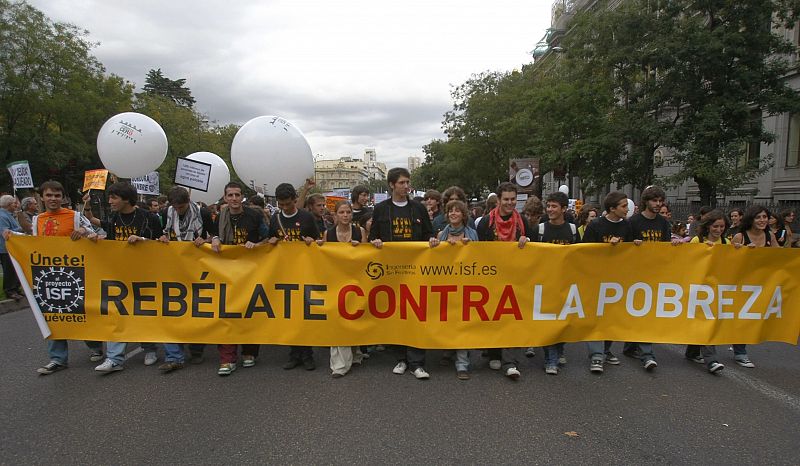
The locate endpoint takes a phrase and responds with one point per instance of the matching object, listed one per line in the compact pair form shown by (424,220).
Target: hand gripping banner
(478,295)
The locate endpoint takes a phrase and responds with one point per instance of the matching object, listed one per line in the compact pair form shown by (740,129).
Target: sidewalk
(11,305)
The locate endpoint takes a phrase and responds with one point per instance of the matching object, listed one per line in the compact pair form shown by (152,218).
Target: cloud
(351,75)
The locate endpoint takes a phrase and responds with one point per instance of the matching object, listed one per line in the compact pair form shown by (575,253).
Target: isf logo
(374,270)
(59,289)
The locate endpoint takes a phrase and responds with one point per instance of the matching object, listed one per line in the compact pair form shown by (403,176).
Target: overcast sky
(350,74)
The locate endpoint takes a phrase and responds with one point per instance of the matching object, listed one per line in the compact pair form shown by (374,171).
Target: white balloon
(631,207)
(564,189)
(131,144)
(268,151)
(220,176)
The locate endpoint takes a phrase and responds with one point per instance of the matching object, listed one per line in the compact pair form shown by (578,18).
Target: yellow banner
(453,296)
(95,179)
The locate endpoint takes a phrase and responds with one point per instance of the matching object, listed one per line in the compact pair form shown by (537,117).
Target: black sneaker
(650,364)
(715,367)
(596,366)
(309,364)
(696,358)
(292,363)
(50,367)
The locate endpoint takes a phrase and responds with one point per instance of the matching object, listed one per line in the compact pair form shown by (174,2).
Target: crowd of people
(435,218)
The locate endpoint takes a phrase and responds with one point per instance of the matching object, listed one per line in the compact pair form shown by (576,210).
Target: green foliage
(156,84)
(54,96)
(692,76)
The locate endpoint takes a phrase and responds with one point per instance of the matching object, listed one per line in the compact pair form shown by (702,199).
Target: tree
(692,76)
(54,95)
(158,84)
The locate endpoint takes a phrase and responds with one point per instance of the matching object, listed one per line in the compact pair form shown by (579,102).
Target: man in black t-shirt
(293,224)
(132,224)
(504,223)
(649,226)
(556,230)
(612,228)
(402,219)
(236,224)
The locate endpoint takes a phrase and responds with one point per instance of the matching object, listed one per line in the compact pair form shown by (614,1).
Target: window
(793,141)
(751,152)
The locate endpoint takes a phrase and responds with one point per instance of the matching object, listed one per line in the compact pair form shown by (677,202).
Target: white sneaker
(512,373)
(150,358)
(400,368)
(109,366)
(495,364)
(421,374)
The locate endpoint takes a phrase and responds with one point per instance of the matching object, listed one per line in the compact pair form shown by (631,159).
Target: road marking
(766,389)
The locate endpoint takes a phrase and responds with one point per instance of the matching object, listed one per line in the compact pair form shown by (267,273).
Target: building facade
(348,172)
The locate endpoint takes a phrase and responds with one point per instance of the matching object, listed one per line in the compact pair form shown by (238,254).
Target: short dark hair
(506,187)
(395,174)
(612,199)
(124,191)
(257,201)
(178,195)
(357,192)
(558,197)
(52,185)
(233,184)
(285,191)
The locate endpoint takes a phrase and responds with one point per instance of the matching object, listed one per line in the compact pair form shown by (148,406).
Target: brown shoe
(170,366)
(462,375)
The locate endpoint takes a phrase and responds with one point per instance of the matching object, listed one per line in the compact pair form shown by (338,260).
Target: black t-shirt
(357,214)
(321,226)
(300,225)
(557,234)
(355,234)
(248,225)
(651,230)
(487,233)
(402,221)
(601,230)
(140,222)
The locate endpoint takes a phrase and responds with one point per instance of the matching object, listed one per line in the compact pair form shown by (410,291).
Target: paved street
(678,414)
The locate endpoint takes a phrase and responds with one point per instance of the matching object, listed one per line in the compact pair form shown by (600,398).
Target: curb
(11,305)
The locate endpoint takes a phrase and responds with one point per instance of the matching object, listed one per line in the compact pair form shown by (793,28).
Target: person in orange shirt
(59,221)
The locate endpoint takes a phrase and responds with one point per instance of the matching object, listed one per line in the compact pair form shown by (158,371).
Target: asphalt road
(679,414)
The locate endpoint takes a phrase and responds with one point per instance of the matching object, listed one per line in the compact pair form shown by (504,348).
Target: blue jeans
(59,352)
(552,353)
(739,350)
(173,352)
(647,352)
(598,349)
(462,360)
(115,351)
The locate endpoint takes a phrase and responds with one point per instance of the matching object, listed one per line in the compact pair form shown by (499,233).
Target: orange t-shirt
(60,223)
